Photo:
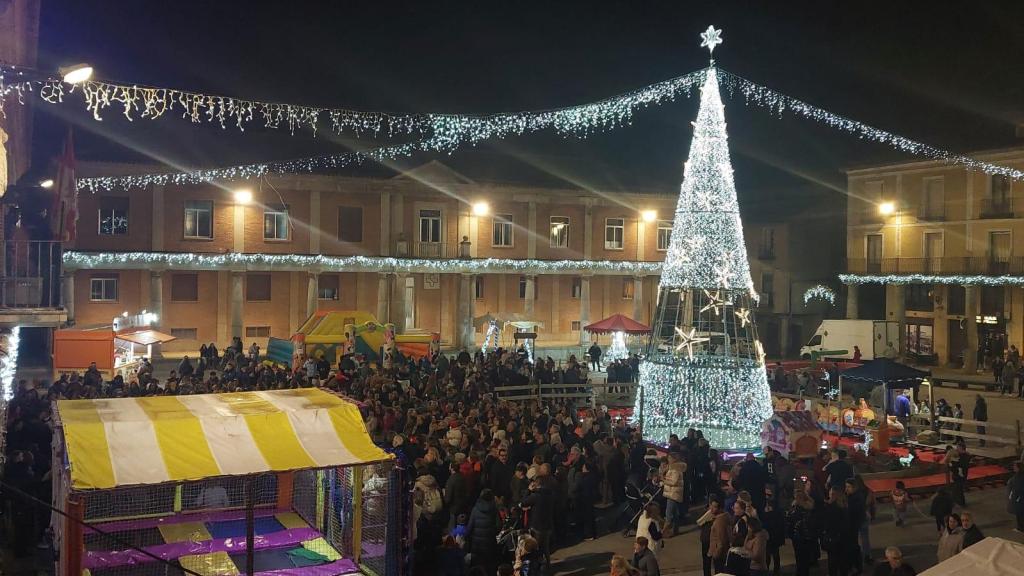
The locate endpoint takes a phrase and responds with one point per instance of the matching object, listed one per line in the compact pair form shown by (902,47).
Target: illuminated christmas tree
(704,366)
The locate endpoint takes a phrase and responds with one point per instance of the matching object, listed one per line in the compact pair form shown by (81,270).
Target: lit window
(559,231)
(113,216)
(627,288)
(328,287)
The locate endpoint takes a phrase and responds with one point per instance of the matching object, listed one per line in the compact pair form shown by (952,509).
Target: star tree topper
(711,38)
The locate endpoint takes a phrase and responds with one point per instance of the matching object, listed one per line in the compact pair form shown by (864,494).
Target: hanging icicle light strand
(819,292)
(780,103)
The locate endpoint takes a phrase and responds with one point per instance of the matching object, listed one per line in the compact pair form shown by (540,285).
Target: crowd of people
(541,474)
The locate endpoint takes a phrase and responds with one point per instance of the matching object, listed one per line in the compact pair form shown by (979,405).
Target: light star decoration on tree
(687,340)
(715,302)
(743,315)
(711,38)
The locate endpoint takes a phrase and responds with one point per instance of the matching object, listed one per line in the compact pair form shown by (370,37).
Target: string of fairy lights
(439,132)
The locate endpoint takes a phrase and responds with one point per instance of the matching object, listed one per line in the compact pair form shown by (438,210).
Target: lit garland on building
(300,262)
(780,103)
(710,373)
(821,293)
(950,280)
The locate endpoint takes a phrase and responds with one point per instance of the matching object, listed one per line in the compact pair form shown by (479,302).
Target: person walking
(951,540)
(594,352)
(960,467)
(856,506)
(941,507)
(803,530)
(981,415)
(774,523)
(900,502)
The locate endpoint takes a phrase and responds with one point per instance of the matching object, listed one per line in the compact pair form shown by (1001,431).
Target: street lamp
(886,208)
(47,184)
(75,73)
(649,215)
(243,196)
(481,208)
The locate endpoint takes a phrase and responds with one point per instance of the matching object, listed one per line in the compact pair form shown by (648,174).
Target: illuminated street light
(48,183)
(649,215)
(886,208)
(481,209)
(243,196)
(76,73)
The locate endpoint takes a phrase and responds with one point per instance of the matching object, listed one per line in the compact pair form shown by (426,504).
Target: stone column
(409,281)
(851,301)
(638,298)
(68,295)
(901,316)
(531,296)
(237,296)
(467,340)
(314,222)
(239,228)
(156,304)
(382,297)
(312,285)
(397,312)
(588,230)
(971,324)
(584,306)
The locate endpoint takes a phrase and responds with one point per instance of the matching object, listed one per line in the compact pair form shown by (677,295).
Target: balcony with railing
(996,208)
(944,266)
(31,283)
(432,250)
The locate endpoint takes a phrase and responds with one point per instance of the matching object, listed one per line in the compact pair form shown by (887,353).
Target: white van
(836,338)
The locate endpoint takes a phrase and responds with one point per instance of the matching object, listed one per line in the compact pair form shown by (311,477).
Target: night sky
(947,77)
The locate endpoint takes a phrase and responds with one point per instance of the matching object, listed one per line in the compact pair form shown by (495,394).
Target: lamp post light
(75,73)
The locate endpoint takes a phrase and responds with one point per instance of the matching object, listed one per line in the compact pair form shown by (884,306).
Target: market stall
(619,327)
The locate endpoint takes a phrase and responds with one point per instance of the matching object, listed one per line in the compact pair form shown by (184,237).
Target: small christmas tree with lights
(704,366)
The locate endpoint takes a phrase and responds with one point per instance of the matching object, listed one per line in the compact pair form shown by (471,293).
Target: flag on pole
(64,219)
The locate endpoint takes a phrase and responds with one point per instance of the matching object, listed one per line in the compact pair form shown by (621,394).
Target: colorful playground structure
(334,333)
(280,482)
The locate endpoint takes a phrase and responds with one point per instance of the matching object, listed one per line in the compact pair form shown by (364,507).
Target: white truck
(836,339)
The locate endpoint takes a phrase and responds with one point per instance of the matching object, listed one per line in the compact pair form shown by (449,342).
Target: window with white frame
(103,289)
(614,230)
(577,288)
(430,226)
(664,234)
(275,222)
(501,230)
(559,231)
(199,219)
(113,216)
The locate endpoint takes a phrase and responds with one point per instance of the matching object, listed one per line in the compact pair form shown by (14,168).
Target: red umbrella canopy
(617,323)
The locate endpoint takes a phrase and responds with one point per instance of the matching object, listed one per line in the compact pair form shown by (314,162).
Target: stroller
(512,527)
(637,498)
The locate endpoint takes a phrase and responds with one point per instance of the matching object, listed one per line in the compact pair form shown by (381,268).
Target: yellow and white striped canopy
(132,441)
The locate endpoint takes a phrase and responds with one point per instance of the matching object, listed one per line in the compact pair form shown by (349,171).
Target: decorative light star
(760,352)
(743,314)
(715,301)
(723,271)
(711,38)
(687,340)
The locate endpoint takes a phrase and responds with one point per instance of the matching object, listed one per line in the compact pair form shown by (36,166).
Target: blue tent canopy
(885,371)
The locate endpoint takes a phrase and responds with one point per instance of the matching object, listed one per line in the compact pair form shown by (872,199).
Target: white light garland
(9,363)
(951,280)
(780,103)
(234,261)
(821,293)
(618,349)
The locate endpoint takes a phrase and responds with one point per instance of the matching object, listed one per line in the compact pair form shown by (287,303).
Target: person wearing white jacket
(651,516)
